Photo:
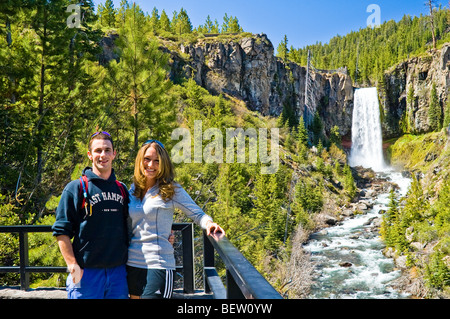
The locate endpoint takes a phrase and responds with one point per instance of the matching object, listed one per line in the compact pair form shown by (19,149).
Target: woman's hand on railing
(217,236)
(214,229)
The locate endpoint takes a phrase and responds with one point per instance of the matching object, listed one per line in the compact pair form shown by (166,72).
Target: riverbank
(424,220)
(346,249)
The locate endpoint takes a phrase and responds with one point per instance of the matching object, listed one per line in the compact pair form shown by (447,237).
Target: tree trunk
(433,32)
(41,102)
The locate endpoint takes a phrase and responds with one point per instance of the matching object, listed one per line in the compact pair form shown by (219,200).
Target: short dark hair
(100,136)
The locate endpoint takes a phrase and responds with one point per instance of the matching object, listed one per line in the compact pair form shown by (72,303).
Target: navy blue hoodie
(101,239)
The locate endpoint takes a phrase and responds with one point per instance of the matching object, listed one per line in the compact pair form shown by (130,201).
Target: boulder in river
(330,220)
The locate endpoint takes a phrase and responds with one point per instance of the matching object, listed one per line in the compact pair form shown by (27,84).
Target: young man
(95,215)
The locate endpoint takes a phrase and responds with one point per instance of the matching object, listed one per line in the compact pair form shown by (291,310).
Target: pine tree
(181,24)
(294,55)
(140,78)
(416,205)
(447,114)
(109,14)
(225,24)
(120,17)
(209,25)
(437,273)
(100,9)
(234,26)
(267,210)
(7,15)
(164,22)
(309,196)
(282,50)
(201,29)
(335,136)
(194,94)
(441,211)
(434,111)
(88,16)
(302,133)
(221,113)
(154,21)
(233,201)
(60,52)
(430,4)
(349,182)
(215,28)
(50,63)
(390,220)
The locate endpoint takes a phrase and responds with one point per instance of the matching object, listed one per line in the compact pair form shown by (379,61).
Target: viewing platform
(242,281)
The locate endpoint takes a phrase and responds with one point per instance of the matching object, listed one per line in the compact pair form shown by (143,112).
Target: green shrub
(437,274)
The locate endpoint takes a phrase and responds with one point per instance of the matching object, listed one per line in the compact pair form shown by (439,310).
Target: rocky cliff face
(417,74)
(247,68)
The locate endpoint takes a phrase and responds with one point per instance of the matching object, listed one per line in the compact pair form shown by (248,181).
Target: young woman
(153,197)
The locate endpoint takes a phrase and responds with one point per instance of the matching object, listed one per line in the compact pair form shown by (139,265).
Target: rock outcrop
(247,68)
(417,75)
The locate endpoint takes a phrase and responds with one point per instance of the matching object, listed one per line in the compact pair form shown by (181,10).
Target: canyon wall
(414,77)
(248,69)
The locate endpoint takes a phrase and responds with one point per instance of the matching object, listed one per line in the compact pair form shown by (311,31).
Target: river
(349,259)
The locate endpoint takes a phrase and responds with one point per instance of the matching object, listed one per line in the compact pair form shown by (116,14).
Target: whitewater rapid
(348,258)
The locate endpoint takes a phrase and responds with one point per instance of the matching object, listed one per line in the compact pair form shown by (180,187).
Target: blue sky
(303,21)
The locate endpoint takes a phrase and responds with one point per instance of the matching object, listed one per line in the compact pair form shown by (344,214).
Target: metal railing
(24,269)
(242,279)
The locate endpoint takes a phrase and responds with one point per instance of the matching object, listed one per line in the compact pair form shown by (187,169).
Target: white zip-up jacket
(152,220)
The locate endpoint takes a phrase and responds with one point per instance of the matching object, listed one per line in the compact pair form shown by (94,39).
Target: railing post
(208,259)
(242,278)
(188,258)
(23,256)
(233,290)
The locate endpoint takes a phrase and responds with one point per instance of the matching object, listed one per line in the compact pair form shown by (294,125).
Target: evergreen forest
(57,88)
(369,52)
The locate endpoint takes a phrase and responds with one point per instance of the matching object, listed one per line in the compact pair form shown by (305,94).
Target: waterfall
(367,144)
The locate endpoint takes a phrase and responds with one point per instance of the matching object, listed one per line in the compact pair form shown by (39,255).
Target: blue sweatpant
(100,283)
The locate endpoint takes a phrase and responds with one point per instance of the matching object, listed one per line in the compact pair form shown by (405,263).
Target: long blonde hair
(165,176)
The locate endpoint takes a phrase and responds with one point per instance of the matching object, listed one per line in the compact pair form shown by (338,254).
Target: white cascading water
(348,258)
(367,144)
(371,273)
